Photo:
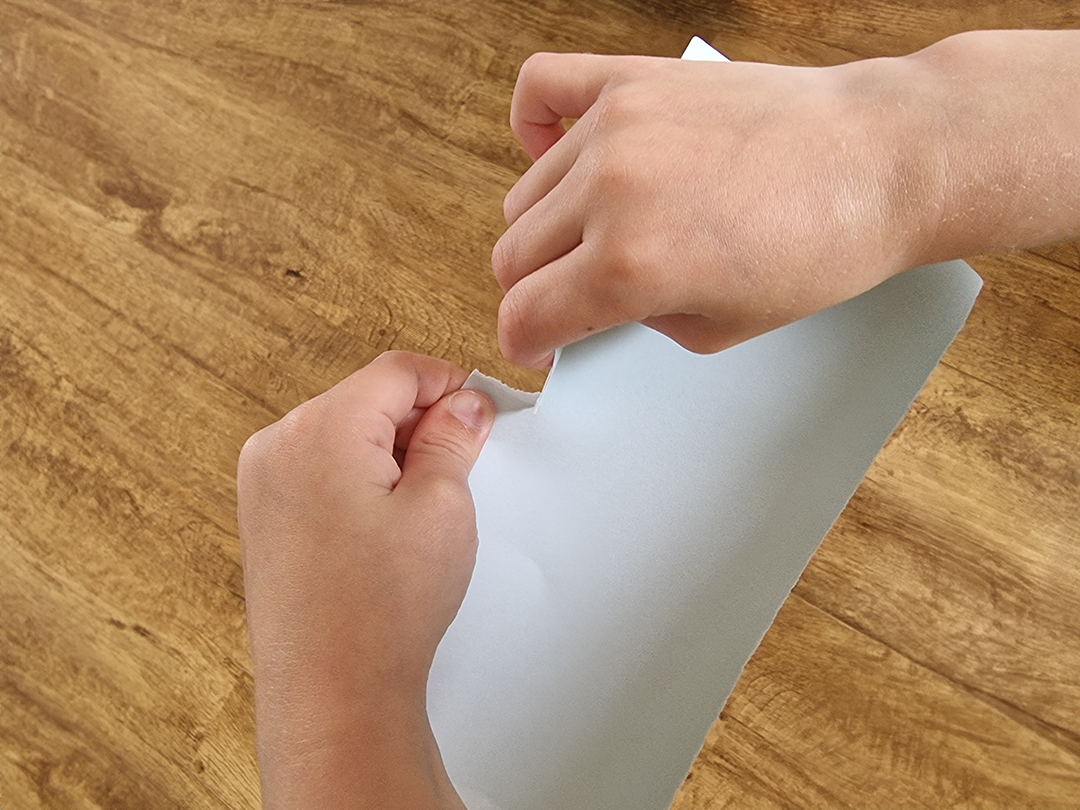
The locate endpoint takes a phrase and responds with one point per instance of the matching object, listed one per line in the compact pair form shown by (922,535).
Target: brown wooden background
(211,210)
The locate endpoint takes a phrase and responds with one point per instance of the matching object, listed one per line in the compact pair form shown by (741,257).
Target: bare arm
(1007,135)
(717,201)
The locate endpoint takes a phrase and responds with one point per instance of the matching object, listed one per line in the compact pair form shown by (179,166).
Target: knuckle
(614,170)
(535,66)
(611,107)
(293,429)
(700,342)
(449,441)
(509,208)
(502,261)
(629,283)
(622,279)
(529,76)
(614,304)
(514,320)
(392,357)
(512,207)
(620,107)
(275,448)
(299,429)
(253,455)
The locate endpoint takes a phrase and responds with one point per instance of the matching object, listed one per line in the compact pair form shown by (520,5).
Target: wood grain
(212,210)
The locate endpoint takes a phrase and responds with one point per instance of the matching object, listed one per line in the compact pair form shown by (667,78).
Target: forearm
(1002,141)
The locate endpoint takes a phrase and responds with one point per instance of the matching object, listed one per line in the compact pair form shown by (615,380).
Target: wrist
(949,116)
(1003,138)
(893,101)
(364,747)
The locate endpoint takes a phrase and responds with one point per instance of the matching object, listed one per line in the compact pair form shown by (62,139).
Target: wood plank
(211,211)
(829,718)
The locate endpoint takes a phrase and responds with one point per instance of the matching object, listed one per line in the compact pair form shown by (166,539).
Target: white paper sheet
(641,526)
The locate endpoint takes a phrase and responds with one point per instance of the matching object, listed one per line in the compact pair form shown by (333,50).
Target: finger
(382,395)
(447,442)
(406,427)
(396,382)
(551,87)
(543,176)
(545,233)
(562,303)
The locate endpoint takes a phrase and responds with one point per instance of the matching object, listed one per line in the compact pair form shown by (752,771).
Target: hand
(355,565)
(711,201)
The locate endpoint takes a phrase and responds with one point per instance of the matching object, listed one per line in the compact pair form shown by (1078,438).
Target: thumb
(447,441)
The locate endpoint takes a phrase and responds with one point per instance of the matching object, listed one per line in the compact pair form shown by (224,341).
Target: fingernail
(472,409)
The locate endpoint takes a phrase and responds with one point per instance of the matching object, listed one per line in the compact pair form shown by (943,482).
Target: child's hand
(711,201)
(354,568)
(717,201)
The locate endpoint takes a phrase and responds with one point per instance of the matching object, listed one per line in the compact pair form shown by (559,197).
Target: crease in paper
(640,531)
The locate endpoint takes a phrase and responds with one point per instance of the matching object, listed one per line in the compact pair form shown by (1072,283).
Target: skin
(715,202)
(711,201)
(355,565)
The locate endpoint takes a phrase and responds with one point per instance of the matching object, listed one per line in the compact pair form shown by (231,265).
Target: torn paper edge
(507,399)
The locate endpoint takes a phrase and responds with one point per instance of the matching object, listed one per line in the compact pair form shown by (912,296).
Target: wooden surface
(211,210)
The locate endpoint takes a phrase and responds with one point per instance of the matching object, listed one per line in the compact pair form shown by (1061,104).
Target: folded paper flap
(506,399)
